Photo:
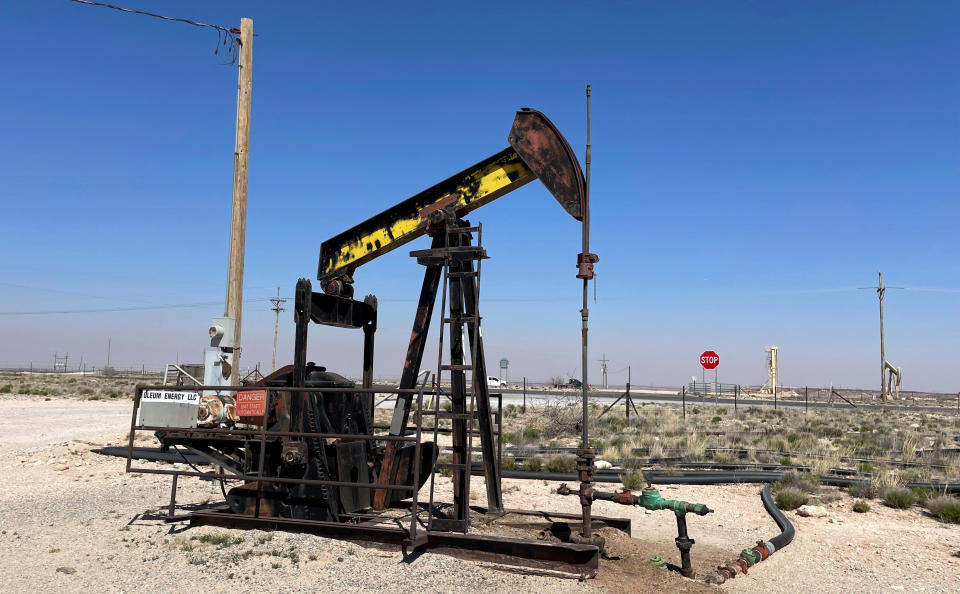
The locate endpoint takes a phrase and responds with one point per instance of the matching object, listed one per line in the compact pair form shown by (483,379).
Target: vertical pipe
(684,396)
(683,544)
(805,400)
(585,315)
(524,395)
(736,393)
(774,398)
(584,312)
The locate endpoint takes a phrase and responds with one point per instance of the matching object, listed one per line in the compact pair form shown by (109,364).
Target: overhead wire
(125,308)
(224,34)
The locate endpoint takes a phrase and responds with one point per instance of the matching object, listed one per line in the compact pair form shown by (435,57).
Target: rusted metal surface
(255,506)
(547,153)
(684,544)
(216,409)
(578,559)
(621,524)
(408,377)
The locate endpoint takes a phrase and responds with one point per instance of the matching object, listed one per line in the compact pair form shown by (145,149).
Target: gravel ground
(71,520)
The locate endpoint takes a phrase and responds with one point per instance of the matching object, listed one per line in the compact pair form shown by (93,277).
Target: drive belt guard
(537,150)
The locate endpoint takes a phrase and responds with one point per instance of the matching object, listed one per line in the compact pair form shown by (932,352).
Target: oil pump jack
(309,453)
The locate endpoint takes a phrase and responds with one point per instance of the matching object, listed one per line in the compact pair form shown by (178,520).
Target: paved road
(604,398)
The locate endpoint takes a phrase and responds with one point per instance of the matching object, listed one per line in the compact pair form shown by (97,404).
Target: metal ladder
(457,268)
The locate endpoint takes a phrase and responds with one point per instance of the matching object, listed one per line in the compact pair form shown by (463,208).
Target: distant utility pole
(883,357)
(603,369)
(109,340)
(238,220)
(884,384)
(277,301)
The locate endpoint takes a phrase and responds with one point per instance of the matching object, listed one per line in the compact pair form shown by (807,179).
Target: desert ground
(72,520)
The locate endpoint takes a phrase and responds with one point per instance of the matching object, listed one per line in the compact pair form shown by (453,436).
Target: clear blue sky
(754,163)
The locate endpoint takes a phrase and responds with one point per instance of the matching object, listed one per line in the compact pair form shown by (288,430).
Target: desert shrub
(633,481)
(802,481)
(6,388)
(533,464)
(861,506)
(945,507)
(898,497)
(511,410)
(561,420)
(716,419)
(561,463)
(445,459)
(789,498)
(508,463)
(530,433)
(865,467)
(786,461)
(859,490)
(924,494)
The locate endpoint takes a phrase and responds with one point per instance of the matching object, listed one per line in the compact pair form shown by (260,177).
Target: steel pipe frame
(263,434)
(580,559)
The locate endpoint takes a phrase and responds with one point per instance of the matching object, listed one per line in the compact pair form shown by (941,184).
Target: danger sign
(251,403)
(709,360)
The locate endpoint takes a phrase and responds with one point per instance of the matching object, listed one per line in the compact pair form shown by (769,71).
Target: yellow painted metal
(473,188)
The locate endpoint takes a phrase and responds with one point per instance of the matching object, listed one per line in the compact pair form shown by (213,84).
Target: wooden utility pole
(884,390)
(238,220)
(277,302)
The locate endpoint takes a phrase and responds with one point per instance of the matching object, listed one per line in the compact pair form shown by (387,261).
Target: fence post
(524,395)
(736,394)
(805,400)
(774,397)
(683,395)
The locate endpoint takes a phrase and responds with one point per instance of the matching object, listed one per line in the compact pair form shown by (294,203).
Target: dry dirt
(72,520)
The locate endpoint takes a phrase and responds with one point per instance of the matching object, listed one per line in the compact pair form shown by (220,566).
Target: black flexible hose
(690,477)
(786,528)
(700,477)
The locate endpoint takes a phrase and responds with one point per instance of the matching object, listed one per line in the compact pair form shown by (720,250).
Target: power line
(122,308)
(224,34)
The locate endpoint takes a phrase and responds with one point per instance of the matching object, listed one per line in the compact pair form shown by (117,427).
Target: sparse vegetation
(534,463)
(561,463)
(633,481)
(898,497)
(789,498)
(945,507)
(802,481)
(861,507)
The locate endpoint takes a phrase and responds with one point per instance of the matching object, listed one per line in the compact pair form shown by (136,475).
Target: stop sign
(709,360)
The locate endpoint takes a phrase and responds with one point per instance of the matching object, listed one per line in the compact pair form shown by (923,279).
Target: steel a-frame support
(447,239)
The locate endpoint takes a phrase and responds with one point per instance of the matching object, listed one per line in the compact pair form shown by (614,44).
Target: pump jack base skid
(579,560)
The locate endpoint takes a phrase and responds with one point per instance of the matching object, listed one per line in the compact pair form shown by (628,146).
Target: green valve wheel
(659,562)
